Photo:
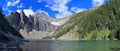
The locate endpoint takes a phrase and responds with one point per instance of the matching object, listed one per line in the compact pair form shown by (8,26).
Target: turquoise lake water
(82,45)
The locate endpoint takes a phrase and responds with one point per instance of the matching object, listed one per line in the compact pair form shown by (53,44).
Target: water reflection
(39,45)
(58,45)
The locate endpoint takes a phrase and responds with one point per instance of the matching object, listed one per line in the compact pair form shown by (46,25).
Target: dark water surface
(82,45)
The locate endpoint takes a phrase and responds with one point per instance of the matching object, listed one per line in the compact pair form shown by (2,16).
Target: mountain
(35,26)
(99,23)
(7,32)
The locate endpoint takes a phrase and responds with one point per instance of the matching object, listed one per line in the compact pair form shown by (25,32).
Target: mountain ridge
(101,23)
(35,25)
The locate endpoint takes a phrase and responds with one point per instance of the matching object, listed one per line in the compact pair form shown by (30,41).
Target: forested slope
(100,23)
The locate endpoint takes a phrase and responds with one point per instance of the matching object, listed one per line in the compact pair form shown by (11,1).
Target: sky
(54,8)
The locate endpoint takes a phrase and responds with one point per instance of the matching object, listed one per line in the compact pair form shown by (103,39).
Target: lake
(61,45)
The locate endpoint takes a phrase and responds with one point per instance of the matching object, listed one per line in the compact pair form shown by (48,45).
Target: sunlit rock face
(42,22)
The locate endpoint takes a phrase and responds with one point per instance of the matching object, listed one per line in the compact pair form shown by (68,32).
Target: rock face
(42,22)
(7,32)
(39,22)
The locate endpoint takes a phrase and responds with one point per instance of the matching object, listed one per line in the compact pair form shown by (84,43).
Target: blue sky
(54,8)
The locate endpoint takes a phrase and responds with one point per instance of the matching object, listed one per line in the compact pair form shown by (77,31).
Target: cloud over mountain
(54,8)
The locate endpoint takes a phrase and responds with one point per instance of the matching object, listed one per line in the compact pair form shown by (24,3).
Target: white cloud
(13,3)
(76,9)
(9,11)
(63,14)
(97,2)
(30,7)
(39,1)
(5,8)
(28,12)
(18,11)
(39,10)
(68,13)
(60,7)
(20,6)
(8,3)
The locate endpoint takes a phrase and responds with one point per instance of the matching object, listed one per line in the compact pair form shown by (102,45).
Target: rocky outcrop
(15,17)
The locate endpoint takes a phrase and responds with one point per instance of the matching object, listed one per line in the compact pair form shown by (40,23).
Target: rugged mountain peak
(24,18)
(37,22)
(43,16)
